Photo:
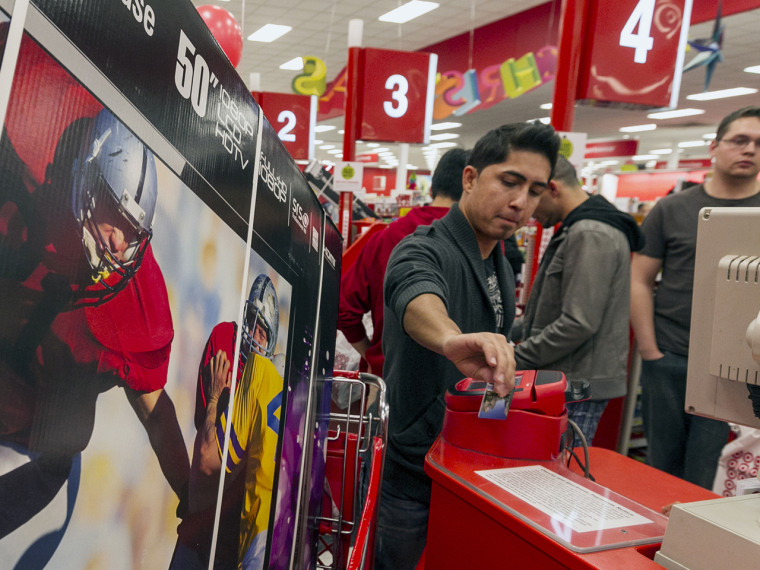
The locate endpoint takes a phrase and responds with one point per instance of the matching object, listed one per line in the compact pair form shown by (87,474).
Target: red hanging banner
(633,52)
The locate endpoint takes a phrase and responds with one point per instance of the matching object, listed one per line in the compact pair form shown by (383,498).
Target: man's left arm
(590,265)
(156,412)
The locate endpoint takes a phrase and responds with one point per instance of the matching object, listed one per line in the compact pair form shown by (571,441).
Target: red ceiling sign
(396,90)
(633,52)
(487,48)
(691,163)
(606,149)
(293,117)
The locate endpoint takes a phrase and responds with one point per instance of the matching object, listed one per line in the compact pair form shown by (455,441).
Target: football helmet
(114,192)
(262,308)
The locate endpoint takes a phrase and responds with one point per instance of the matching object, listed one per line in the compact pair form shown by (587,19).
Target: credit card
(493,406)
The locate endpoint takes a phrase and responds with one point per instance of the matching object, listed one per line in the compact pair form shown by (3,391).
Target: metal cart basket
(355,453)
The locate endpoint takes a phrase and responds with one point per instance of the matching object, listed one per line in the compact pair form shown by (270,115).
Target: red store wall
(647,186)
(369,182)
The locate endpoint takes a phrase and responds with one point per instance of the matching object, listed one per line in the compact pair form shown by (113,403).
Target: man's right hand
(651,354)
(483,356)
(219,367)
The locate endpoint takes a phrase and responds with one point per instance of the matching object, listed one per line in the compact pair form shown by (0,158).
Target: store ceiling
(320,28)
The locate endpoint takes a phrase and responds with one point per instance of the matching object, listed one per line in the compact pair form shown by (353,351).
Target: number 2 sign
(293,118)
(396,95)
(633,52)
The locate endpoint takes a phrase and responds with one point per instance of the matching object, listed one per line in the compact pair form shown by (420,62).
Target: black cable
(584,443)
(573,455)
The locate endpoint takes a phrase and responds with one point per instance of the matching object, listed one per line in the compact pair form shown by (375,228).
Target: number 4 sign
(396,95)
(633,52)
(641,41)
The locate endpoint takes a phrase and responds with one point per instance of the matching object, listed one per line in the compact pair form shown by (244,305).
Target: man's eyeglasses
(740,143)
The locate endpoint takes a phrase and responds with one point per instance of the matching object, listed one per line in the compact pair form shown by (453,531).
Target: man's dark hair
(494,147)
(447,178)
(565,172)
(725,124)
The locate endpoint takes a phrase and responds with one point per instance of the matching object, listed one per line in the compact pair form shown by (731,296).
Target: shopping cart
(355,453)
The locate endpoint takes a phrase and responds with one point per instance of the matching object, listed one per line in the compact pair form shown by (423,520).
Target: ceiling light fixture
(546,106)
(444,136)
(753,69)
(644,157)
(689,144)
(323,128)
(444,126)
(661,151)
(443,145)
(638,128)
(408,11)
(722,94)
(295,64)
(269,33)
(675,113)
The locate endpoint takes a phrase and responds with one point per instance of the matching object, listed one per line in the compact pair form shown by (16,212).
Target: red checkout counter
(490,510)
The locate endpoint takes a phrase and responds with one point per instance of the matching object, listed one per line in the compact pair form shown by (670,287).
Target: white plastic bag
(739,460)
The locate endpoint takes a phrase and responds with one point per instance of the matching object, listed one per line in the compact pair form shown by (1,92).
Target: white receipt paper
(568,503)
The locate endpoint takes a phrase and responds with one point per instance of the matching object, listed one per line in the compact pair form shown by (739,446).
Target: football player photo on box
(253,415)
(87,309)
(159,334)
(84,301)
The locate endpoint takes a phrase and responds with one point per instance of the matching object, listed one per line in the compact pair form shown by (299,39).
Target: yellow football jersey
(254,432)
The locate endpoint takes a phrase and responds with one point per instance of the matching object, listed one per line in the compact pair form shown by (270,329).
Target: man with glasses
(682,444)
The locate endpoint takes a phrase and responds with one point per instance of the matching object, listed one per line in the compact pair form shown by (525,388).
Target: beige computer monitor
(726,300)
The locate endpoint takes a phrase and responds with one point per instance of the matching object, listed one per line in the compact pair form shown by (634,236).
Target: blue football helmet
(262,308)
(114,200)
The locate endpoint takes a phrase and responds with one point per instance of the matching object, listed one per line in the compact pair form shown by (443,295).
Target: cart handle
(365,533)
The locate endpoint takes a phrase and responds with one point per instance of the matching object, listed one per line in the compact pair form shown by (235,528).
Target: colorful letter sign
(396,95)
(633,52)
(293,117)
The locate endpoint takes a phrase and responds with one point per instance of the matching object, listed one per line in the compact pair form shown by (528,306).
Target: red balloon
(225,30)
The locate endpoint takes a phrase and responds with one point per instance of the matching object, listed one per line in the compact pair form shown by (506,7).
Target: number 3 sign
(396,91)
(633,52)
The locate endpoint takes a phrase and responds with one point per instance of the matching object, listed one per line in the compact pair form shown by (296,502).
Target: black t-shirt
(671,235)
(494,293)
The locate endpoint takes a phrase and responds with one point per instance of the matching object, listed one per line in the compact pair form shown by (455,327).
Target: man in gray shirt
(682,444)
(576,319)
